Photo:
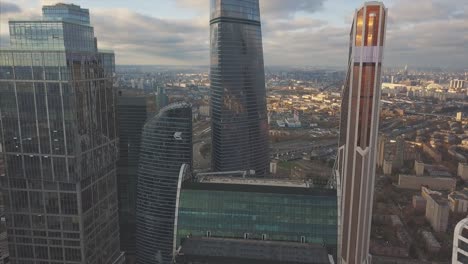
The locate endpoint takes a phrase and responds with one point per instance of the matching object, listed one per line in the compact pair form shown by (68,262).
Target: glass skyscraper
(356,158)
(238,99)
(58,132)
(166,144)
(133,109)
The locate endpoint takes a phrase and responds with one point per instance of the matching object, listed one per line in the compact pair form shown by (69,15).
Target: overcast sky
(428,33)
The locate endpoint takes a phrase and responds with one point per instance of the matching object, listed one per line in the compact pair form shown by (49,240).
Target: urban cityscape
(111,153)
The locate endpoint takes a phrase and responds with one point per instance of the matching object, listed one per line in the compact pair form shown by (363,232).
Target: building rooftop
(259,185)
(255,181)
(252,251)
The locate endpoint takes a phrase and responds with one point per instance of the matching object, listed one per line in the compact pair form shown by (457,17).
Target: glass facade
(238,100)
(166,145)
(132,113)
(57,126)
(259,212)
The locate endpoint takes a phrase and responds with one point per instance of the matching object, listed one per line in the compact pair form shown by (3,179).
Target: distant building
(419,168)
(459,116)
(414,182)
(457,83)
(204,110)
(463,171)
(458,201)
(162,99)
(293,123)
(210,250)
(166,144)
(460,243)
(437,209)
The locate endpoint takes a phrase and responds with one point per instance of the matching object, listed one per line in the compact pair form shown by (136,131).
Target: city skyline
(318,28)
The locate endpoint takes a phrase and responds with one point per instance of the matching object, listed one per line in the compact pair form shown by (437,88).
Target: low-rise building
(458,201)
(414,182)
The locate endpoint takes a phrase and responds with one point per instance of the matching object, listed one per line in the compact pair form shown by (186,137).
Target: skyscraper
(58,132)
(166,145)
(132,112)
(355,167)
(238,99)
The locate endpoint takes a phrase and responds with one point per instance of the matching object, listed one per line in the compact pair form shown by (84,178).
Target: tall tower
(58,129)
(166,144)
(238,98)
(355,167)
(133,110)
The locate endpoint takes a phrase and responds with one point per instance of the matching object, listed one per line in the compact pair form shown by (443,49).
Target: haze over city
(420,33)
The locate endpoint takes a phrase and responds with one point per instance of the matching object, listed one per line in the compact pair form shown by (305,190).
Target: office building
(238,98)
(356,159)
(133,109)
(58,129)
(459,117)
(460,243)
(231,206)
(166,144)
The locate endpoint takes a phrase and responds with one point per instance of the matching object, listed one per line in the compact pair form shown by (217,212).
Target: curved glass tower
(166,144)
(238,103)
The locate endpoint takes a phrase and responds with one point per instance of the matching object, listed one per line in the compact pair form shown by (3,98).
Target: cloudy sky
(427,33)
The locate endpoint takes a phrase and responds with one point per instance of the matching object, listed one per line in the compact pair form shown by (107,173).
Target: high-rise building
(238,98)
(132,112)
(356,159)
(162,100)
(460,243)
(58,129)
(166,144)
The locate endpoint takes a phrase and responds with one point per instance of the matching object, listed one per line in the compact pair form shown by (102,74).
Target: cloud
(282,8)
(295,32)
(9,8)
(136,37)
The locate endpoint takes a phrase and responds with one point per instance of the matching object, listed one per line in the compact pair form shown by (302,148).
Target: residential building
(437,209)
(356,158)
(166,144)
(238,97)
(58,129)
